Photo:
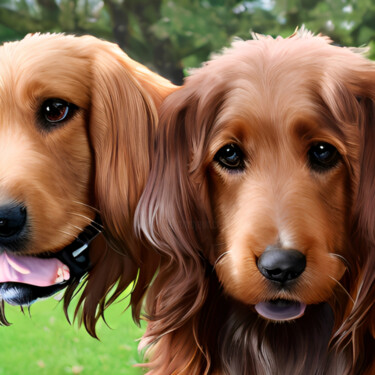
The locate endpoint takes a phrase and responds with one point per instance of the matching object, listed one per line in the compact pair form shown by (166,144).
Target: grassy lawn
(45,343)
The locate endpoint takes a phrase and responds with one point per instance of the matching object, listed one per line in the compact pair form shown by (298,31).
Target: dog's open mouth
(280,309)
(24,279)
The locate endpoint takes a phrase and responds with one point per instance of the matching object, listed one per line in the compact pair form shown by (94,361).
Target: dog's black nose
(12,221)
(281,265)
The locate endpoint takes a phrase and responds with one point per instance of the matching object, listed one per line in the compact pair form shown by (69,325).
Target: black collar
(76,254)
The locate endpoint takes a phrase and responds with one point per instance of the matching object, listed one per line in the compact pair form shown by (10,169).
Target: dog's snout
(281,265)
(12,221)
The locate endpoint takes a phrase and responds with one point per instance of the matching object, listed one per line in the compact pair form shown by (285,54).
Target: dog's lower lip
(280,309)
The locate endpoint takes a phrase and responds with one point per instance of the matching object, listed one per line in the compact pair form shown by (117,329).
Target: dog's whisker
(220,258)
(76,227)
(343,259)
(342,288)
(70,235)
(88,206)
(88,220)
(97,224)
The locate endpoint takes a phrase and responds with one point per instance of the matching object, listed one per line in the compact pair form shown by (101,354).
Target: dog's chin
(26,294)
(280,310)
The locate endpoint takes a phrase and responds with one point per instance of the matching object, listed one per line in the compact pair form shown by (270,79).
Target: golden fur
(275,100)
(96,162)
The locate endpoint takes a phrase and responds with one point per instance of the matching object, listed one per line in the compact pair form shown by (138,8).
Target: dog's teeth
(63,273)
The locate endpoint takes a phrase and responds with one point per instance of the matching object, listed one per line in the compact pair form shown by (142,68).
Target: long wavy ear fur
(363,311)
(125,98)
(177,221)
(365,213)
(174,213)
(358,329)
(122,124)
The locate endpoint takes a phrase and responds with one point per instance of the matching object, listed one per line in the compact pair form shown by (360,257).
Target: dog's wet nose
(12,221)
(281,265)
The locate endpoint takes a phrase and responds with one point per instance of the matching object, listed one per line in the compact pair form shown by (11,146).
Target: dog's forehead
(45,66)
(267,65)
(271,81)
(275,93)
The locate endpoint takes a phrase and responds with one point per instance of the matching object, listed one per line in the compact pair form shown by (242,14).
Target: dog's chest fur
(250,345)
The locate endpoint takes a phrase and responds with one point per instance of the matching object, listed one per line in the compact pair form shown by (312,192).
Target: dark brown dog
(261,205)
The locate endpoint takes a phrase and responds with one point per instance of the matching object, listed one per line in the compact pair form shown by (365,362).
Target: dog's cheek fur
(46,170)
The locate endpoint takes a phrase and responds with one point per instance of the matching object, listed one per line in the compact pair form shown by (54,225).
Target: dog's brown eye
(323,156)
(55,111)
(230,157)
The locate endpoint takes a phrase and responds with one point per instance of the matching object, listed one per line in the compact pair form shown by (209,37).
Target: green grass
(45,344)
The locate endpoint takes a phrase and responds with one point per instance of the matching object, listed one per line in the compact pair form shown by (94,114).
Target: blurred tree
(170,35)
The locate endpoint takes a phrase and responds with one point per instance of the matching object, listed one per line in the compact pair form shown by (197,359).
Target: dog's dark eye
(53,112)
(230,156)
(323,156)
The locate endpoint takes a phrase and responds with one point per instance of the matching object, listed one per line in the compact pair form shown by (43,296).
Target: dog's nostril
(12,220)
(281,265)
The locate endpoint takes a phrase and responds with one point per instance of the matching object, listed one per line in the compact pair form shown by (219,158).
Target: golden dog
(77,120)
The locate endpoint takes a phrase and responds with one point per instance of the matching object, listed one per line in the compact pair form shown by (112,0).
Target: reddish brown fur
(273,98)
(97,163)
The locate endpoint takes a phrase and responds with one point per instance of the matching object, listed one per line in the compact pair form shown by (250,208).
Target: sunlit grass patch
(44,343)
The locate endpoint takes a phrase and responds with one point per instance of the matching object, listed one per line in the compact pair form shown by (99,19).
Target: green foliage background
(171,35)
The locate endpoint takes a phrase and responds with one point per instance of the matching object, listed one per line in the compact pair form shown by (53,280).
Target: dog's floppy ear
(123,118)
(175,217)
(365,209)
(125,97)
(372,322)
(362,312)
(357,99)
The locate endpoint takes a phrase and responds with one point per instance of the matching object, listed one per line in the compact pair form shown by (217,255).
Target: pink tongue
(280,310)
(30,270)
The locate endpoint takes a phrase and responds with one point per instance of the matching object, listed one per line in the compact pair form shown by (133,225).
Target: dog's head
(77,121)
(264,177)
